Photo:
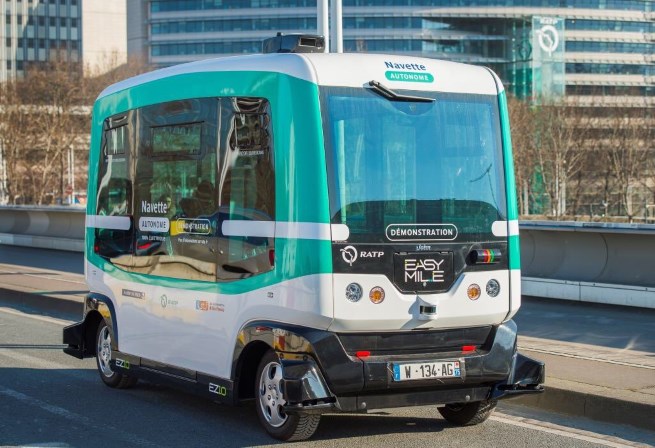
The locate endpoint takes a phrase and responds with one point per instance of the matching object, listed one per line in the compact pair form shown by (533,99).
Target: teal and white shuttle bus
(318,232)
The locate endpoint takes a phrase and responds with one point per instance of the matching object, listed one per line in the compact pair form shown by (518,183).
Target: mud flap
(74,337)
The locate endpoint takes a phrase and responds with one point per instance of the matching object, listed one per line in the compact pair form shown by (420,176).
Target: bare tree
(44,119)
(16,129)
(627,155)
(522,125)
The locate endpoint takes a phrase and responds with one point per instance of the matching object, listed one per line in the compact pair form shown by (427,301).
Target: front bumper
(333,378)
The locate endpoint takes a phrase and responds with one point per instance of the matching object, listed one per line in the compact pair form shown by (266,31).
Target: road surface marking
(586,358)
(76,418)
(48,276)
(564,431)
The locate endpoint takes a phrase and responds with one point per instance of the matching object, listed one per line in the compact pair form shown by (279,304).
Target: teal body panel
(300,179)
(510,181)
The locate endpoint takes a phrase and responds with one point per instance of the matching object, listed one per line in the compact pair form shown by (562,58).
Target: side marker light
(473,291)
(376,295)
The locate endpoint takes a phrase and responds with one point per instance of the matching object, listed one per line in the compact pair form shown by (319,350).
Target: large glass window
(406,163)
(247,187)
(200,163)
(114,233)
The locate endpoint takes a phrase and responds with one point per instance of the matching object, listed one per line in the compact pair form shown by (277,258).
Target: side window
(113,234)
(202,206)
(176,204)
(247,189)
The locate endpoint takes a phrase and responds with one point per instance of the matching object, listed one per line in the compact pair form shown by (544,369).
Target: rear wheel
(467,414)
(103,359)
(270,398)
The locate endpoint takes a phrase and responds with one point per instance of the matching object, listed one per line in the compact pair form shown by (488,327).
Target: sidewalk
(600,383)
(600,360)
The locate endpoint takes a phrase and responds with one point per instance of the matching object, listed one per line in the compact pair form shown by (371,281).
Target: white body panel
(344,69)
(400,311)
(356,70)
(184,334)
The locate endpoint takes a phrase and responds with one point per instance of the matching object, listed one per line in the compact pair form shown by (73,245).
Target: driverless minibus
(316,232)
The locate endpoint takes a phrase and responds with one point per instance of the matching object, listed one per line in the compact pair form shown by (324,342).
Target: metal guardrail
(596,262)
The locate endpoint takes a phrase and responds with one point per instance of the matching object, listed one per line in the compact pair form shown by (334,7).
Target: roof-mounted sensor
(294,43)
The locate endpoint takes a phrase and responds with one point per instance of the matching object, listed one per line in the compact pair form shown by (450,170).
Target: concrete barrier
(59,228)
(595,262)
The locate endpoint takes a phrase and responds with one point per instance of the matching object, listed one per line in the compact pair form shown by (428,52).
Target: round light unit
(473,292)
(376,295)
(354,292)
(493,288)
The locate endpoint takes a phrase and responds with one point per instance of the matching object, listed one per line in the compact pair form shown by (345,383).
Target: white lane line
(586,358)
(25,360)
(51,320)
(103,428)
(571,433)
(45,276)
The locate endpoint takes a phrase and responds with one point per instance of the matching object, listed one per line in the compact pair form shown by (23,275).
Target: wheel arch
(99,307)
(253,341)
(246,369)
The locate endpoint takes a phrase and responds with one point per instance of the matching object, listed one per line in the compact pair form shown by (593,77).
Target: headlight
(354,292)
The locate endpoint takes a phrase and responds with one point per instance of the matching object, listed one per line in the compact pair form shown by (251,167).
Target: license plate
(427,370)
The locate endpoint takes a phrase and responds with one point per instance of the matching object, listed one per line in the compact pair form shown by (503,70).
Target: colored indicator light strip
(486,256)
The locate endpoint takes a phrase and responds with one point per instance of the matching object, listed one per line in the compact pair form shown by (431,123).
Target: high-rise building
(587,50)
(88,31)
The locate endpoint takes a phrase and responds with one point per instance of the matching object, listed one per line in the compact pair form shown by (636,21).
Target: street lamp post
(323,24)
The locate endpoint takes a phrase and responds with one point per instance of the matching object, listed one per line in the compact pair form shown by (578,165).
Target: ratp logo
(548,38)
(349,254)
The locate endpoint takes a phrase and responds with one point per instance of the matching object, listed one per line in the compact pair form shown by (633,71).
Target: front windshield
(399,165)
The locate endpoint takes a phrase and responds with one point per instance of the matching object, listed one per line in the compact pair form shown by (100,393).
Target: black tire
(269,398)
(103,356)
(468,414)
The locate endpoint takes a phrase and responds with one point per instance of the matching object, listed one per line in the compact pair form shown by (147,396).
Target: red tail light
(363,354)
(469,348)
(271,257)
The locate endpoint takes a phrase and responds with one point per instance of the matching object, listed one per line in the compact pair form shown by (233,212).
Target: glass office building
(578,48)
(35,31)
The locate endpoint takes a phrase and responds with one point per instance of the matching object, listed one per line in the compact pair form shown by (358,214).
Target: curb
(591,406)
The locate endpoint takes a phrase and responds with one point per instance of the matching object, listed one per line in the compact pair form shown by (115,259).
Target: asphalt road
(50,399)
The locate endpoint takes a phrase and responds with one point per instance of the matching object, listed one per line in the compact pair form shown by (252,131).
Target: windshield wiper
(393,96)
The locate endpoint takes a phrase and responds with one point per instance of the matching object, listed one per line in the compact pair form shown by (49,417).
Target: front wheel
(468,414)
(270,399)
(103,359)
